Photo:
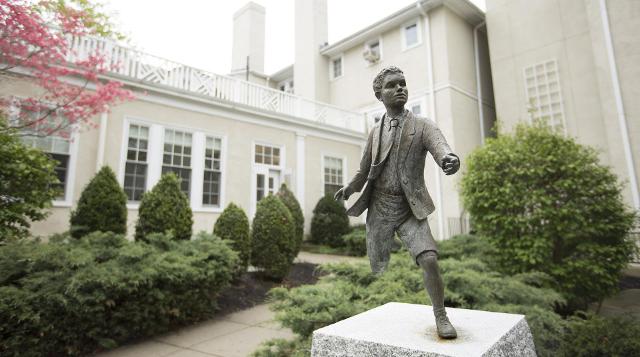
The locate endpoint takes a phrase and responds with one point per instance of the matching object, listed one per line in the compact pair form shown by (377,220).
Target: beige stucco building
(575,63)
(237,137)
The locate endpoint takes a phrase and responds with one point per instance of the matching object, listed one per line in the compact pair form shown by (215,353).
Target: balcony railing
(144,67)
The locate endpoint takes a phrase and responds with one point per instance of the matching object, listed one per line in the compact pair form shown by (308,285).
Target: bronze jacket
(419,135)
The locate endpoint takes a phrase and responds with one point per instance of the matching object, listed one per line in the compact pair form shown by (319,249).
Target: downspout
(432,99)
(476,51)
(622,120)
(102,139)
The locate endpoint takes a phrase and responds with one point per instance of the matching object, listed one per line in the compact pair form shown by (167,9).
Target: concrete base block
(408,330)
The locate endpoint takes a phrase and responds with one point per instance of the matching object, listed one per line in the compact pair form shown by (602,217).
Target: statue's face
(394,91)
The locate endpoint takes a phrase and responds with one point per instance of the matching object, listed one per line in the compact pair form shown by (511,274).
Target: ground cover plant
(349,289)
(71,297)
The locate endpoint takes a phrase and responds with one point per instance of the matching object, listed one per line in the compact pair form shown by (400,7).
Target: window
(267,155)
(542,86)
(212,172)
(56,145)
(336,68)
(411,35)
(135,171)
(332,174)
(372,52)
(177,157)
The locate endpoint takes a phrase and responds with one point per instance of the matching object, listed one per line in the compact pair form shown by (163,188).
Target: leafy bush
(287,197)
(545,204)
(233,225)
(28,184)
(597,336)
(165,209)
(74,296)
(356,242)
(102,206)
(329,222)
(273,238)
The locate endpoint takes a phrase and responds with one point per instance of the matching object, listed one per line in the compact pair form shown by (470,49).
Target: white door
(267,182)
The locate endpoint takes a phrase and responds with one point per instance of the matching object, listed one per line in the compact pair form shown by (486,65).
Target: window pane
(411,35)
(61,169)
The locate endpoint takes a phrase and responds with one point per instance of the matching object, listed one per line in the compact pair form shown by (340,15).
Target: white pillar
(300,168)
(101,141)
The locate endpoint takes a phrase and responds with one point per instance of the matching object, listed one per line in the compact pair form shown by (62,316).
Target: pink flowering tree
(34,45)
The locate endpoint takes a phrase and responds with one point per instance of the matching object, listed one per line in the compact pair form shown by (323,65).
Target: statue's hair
(377,82)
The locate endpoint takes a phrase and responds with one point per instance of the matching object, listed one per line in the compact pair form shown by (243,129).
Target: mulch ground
(251,289)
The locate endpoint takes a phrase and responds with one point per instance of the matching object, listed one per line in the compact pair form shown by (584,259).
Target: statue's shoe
(445,328)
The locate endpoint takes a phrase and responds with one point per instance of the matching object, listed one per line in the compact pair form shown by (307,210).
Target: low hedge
(72,297)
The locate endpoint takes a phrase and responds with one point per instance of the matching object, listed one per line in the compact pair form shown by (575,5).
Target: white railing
(142,66)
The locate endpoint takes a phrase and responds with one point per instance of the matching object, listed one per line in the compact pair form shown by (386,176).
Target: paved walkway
(234,335)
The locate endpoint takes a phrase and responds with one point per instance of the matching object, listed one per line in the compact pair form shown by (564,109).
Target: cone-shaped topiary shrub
(289,199)
(273,238)
(233,226)
(102,206)
(165,208)
(329,222)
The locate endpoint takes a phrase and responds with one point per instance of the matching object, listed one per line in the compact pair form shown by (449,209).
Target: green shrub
(233,225)
(102,206)
(545,204)
(74,296)
(28,184)
(356,242)
(165,209)
(287,197)
(329,222)
(273,238)
(349,289)
(598,336)
(280,347)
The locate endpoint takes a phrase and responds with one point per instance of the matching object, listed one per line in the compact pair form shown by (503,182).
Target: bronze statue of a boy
(396,195)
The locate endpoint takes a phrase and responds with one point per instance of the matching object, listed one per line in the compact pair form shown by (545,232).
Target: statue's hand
(343,193)
(450,164)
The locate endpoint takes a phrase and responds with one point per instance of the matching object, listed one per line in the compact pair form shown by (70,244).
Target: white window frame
(367,46)
(199,205)
(403,34)
(184,131)
(255,167)
(331,67)
(333,155)
(74,139)
(155,160)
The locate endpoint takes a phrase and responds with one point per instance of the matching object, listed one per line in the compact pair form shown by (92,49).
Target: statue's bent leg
(417,236)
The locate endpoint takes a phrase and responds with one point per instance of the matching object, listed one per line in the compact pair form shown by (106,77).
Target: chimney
(248,38)
(310,69)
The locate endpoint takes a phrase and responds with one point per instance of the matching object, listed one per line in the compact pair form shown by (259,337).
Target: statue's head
(390,87)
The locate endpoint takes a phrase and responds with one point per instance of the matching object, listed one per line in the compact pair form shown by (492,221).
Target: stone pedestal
(409,330)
